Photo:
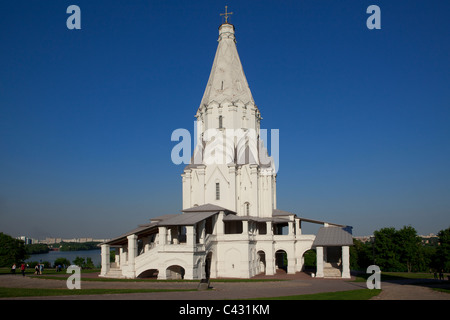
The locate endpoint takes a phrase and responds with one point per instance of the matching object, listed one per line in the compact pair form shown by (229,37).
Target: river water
(51,256)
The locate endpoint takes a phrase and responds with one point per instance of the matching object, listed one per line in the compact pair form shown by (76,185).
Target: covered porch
(332,246)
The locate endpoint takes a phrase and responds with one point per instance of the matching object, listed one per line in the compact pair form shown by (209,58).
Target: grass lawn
(33,292)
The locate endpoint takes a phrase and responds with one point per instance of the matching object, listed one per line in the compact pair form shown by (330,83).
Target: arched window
(220,122)
(247,208)
(217,191)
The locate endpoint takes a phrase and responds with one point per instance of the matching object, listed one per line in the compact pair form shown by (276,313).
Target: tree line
(402,251)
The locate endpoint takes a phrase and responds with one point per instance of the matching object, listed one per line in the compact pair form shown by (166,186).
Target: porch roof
(187,218)
(332,237)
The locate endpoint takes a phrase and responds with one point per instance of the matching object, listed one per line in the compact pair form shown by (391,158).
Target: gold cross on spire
(226,14)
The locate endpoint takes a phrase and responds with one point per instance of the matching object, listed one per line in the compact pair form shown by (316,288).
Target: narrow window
(220,122)
(247,209)
(217,191)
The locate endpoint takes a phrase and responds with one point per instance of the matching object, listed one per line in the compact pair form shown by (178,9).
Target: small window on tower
(217,191)
(247,208)
(220,122)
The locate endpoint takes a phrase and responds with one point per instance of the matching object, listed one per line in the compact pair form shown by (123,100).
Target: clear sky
(86,116)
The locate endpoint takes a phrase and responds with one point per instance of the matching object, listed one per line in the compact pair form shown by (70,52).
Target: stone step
(114,273)
(332,273)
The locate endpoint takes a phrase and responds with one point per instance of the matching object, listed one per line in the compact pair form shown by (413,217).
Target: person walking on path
(22,269)
(13,269)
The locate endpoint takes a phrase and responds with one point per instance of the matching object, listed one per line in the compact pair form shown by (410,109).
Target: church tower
(230,166)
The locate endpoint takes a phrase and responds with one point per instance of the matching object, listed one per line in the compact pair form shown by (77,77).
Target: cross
(226,14)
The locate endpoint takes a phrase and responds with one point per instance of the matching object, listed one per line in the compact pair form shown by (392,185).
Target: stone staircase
(114,273)
(331,270)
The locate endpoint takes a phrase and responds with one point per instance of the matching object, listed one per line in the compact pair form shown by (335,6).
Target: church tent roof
(227,79)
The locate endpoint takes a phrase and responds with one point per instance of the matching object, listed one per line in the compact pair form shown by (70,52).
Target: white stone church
(230,226)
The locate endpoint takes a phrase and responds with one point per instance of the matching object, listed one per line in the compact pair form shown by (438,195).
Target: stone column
(105,259)
(291,263)
(190,236)
(245,227)
(202,231)
(123,256)
(298,227)
(345,262)
(219,227)
(291,228)
(132,253)
(162,235)
(146,243)
(270,261)
(269,228)
(319,251)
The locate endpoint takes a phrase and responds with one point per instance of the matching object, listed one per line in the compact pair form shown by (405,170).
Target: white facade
(230,225)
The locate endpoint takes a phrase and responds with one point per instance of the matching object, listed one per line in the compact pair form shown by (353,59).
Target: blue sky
(86,115)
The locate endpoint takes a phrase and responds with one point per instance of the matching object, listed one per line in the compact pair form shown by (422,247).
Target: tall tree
(11,250)
(442,257)
(409,245)
(386,250)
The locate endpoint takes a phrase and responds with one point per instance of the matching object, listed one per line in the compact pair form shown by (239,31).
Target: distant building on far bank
(48,240)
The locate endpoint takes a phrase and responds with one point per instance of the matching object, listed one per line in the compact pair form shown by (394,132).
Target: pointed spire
(227,80)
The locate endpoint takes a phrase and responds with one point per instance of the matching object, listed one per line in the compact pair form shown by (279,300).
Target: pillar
(298,227)
(219,227)
(162,231)
(190,236)
(345,262)
(146,243)
(245,227)
(291,263)
(202,231)
(269,228)
(291,228)
(270,260)
(132,253)
(319,272)
(105,259)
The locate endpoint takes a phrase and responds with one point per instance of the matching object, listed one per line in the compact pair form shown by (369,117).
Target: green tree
(37,248)
(79,261)
(441,261)
(386,250)
(360,255)
(409,247)
(400,250)
(11,250)
(62,261)
(89,264)
(310,259)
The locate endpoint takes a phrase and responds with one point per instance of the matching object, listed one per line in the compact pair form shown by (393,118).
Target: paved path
(407,290)
(299,283)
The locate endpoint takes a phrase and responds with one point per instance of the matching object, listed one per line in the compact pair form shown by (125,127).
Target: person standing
(13,269)
(36,269)
(22,269)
